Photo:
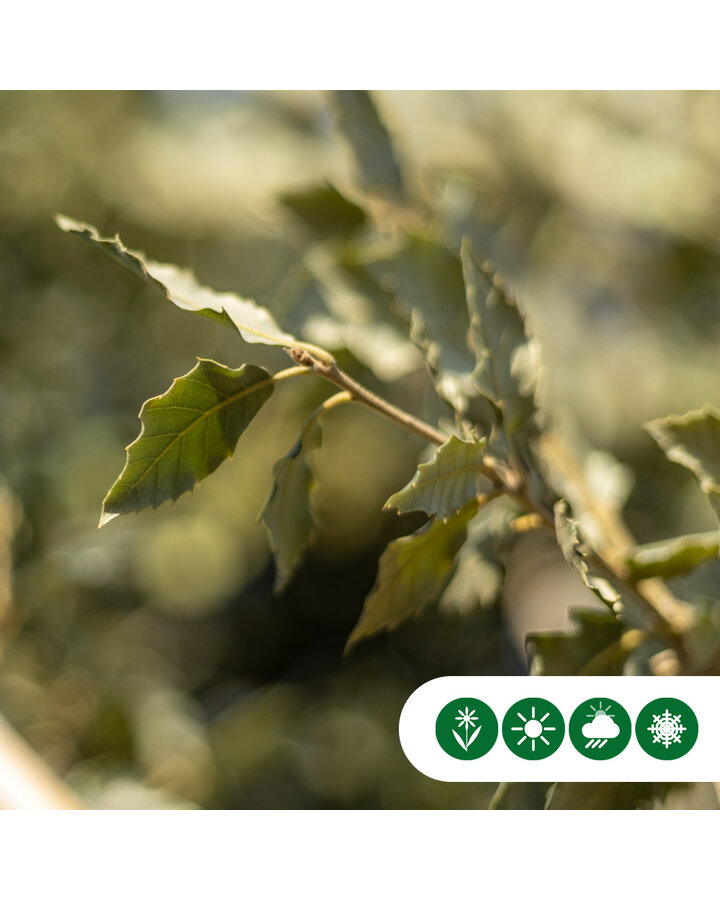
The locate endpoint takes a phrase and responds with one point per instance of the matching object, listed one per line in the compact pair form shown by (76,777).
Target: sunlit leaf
(442,486)
(255,324)
(693,440)
(287,514)
(361,126)
(672,557)
(186,433)
(412,572)
(577,558)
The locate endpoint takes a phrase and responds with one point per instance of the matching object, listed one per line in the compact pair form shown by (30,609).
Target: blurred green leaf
(572,547)
(675,556)
(426,280)
(594,795)
(412,572)
(361,126)
(446,483)
(287,514)
(693,440)
(593,642)
(255,324)
(325,211)
(506,368)
(186,433)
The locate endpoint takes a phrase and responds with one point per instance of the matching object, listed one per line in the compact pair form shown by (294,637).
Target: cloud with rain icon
(600,729)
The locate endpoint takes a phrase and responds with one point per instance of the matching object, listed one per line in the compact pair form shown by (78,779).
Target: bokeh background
(149,665)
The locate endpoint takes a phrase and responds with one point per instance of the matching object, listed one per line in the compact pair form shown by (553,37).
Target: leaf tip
(65,223)
(106,517)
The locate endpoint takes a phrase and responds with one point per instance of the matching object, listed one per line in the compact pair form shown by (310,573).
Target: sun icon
(533,729)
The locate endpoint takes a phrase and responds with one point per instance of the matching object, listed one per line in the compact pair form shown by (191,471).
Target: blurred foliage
(150,663)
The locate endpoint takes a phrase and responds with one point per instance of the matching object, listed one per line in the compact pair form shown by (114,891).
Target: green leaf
(675,556)
(287,514)
(506,359)
(576,557)
(605,795)
(186,433)
(361,126)
(255,324)
(412,573)
(357,317)
(693,440)
(452,477)
(325,211)
(592,647)
(426,281)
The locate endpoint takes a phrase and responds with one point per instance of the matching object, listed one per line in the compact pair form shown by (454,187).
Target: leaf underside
(412,572)
(287,515)
(186,433)
(505,370)
(693,441)
(362,128)
(571,545)
(447,482)
(253,322)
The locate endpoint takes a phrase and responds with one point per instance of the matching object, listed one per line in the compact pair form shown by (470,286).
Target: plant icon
(466,728)
(468,719)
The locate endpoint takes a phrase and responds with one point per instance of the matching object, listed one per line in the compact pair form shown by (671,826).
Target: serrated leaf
(412,573)
(287,514)
(426,281)
(442,486)
(572,547)
(186,433)
(672,557)
(506,358)
(693,440)
(255,324)
(361,126)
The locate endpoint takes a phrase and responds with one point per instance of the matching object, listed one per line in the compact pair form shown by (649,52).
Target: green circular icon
(666,728)
(466,728)
(533,728)
(600,728)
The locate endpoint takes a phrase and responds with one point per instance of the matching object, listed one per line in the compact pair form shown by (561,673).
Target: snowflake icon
(667,729)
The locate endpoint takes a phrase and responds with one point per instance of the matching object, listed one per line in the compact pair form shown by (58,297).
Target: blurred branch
(26,780)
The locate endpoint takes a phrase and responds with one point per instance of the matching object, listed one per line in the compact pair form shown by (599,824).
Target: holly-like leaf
(577,558)
(442,486)
(287,514)
(255,324)
(412,573)
(693,440)
(361,126)
(506,359)
(186,433)
(426,281)
(676,556)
